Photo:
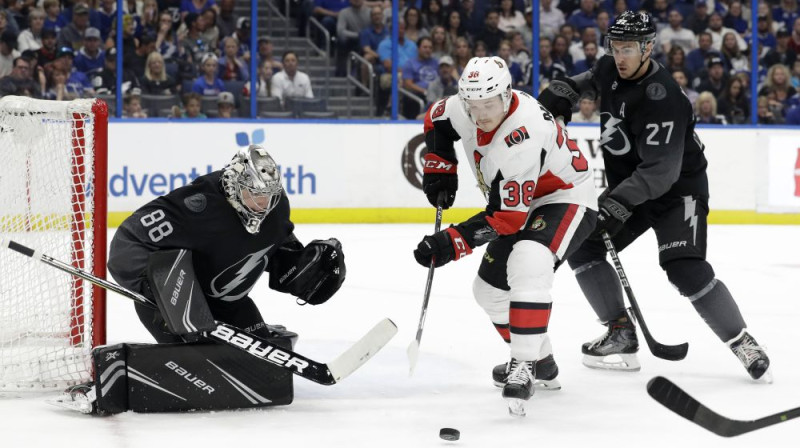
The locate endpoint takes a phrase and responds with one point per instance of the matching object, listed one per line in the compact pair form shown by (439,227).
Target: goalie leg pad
(187,377)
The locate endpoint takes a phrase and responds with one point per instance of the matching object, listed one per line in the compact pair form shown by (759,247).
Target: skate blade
(766,378)
(627,362)
(516,407)
(547,385)
(80,404)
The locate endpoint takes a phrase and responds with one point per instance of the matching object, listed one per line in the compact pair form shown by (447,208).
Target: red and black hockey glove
(439,175)
(612,216)
(441,247)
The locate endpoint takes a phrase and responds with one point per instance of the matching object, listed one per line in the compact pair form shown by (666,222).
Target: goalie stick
(323,373)
(413,347)
(678,401)
(668,352)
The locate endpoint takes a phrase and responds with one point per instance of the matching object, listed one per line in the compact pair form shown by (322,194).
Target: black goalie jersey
(227,259)
(649,145)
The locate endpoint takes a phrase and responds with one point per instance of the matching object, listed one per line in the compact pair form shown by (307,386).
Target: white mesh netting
(46,203)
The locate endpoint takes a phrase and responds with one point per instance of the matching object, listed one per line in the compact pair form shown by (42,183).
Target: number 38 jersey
(227,259)
(527,162)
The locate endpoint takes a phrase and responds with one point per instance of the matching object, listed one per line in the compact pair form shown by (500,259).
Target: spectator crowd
(192,58)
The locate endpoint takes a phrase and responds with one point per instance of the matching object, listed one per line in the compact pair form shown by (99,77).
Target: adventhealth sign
(296,181)
(351,172)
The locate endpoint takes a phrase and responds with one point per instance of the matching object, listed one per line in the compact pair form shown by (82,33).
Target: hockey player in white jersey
(541,204)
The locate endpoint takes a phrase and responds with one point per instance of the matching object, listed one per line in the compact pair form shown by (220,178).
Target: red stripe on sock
(504,332)
(526,318)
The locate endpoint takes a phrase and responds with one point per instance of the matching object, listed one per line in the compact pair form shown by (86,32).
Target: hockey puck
(449,434)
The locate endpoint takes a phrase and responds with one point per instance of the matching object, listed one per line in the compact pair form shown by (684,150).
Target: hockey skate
(81,398)
(519,387)
(545,375)
(753,357)
(614,350)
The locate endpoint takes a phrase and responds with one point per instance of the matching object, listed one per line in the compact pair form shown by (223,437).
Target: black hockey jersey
(227,259)
(649,145)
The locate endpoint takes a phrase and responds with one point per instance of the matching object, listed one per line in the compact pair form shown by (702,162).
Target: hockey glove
(439,175)
(314,276)
(441,248)
(560,97)
(612,216)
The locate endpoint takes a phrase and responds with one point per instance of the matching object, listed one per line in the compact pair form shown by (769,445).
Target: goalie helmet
(252,185)
(632,27)
(484,78)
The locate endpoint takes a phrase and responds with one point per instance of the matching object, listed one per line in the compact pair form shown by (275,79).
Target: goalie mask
(252,184)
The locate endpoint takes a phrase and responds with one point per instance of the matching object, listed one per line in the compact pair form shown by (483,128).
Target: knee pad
(530,272)
(493,300)
(689,275)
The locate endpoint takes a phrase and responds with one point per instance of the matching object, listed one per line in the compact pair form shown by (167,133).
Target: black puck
(449,434)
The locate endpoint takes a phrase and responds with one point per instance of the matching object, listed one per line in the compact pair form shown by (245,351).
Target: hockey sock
(600,284)
(716,306)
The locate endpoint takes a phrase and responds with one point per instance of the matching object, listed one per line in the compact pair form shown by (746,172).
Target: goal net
(52,199)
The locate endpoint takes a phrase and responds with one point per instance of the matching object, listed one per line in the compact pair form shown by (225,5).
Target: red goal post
(53,181)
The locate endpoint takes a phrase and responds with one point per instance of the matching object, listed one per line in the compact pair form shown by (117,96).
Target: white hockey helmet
(485,78)
(252,172)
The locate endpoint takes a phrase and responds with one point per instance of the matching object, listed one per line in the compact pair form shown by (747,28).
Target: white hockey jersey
(527,162)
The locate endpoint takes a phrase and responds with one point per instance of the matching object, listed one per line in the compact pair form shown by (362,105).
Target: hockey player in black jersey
(234,224)
(656,173)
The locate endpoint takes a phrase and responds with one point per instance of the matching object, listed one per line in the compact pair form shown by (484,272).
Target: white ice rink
(380,406)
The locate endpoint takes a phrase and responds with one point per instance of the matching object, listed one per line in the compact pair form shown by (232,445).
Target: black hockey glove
(314,276)
(560,97)
(441,247)
(612,216)
(439,175)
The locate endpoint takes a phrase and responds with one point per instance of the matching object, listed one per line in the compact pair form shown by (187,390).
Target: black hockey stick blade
(668,352)
(678,401)
(659,350)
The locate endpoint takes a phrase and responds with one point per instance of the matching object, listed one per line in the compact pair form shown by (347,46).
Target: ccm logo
(460,247)
(267,352)
(438,165)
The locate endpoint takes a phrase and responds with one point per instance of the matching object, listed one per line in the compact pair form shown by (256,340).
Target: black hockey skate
(545,375)
(752,356)
(81,398)
(519,387)
(616,349)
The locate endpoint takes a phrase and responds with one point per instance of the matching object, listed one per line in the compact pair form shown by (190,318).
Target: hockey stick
(413,347)
(322,373)
(668,352)
(676,400)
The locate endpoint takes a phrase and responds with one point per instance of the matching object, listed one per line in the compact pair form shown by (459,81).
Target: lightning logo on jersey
(223,285)
(609,135)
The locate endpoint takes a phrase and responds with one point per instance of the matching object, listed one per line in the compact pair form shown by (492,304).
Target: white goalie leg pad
(530,276)
(493,300)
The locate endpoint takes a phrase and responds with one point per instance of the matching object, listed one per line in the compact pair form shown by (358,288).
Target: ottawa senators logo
(481,182)
(516,136)
(538,223)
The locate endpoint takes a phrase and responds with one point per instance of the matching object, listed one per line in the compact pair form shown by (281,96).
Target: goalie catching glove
(312,274)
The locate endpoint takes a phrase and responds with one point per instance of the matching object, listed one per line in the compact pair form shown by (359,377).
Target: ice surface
(380,406)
